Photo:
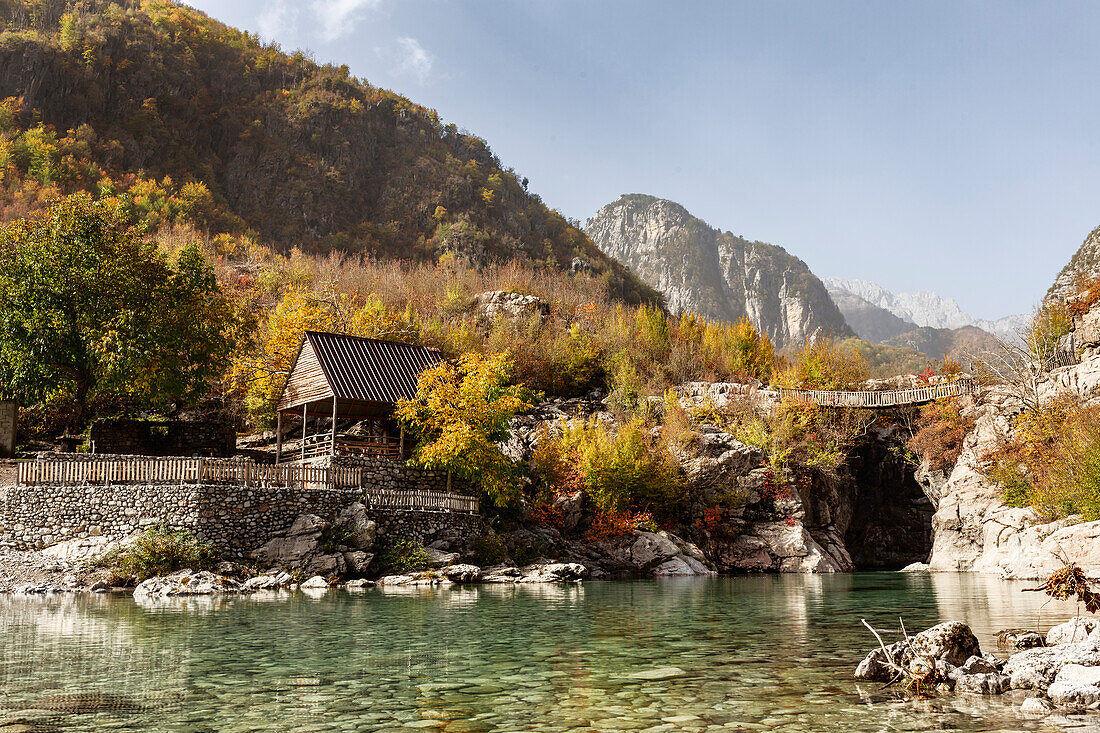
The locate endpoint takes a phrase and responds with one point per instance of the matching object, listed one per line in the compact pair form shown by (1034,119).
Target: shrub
(623,471)
(489,549)
(405,556)
(940,429)
(159,550)
(824,364)
(1050,323)
(1052,461)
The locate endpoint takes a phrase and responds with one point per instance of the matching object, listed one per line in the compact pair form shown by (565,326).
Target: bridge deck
(882,398)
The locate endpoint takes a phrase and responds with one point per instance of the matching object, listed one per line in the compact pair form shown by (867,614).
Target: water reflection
(767,651)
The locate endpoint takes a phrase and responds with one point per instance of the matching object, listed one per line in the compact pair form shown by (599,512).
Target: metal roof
(370,370)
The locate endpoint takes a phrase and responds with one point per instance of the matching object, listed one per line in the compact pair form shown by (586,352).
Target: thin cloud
(338,17)
(415,59)
(277,18)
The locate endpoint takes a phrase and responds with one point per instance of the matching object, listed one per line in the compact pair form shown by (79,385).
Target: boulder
(186,583)
(358,584)
(358,561)
(1037,706)
(315,582)
(951,642)
(462,573)
(295,546)
(494,304)
(359,530)
(1072,631)
(439,558)
(979,675)
(552,572)
(1075,685)
(427,578)
(681,566)
(1035,669)
(327,565)
(1019,639)
(260,582)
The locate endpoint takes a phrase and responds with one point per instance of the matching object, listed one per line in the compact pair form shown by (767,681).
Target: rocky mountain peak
(716,274)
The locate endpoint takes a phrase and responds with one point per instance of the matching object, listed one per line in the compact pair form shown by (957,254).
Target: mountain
(1084,266)
(716,274)
(922,308)
(942,342)
(869,321)
(198,123)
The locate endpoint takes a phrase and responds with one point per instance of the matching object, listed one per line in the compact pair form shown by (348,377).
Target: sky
(946,146)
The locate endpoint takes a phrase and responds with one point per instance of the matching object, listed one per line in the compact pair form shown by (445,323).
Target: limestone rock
(682,566)
(951,642)
(315,582)
(426,578)
(1019,639)
(186,583)
(552,572)
(716,274)
(327,565)
(358,584)
(1037,706)
(358,561)
(1075,685)
(1035,669)
(462,573)
(1072,631)
(439,558)
(296,545)
(260,582)
(494,304)
(360,530)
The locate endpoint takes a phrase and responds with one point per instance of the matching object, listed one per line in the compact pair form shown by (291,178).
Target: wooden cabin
(353,382)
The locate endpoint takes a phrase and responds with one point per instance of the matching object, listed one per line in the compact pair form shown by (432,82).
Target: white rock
(1075,685)
(315,582)
(1072,631)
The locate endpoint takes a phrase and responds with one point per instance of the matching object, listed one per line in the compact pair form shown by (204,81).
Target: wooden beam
(278,436)
(332,443)
(305,418)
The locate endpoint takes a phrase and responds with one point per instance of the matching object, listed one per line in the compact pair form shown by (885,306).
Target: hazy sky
(947,146)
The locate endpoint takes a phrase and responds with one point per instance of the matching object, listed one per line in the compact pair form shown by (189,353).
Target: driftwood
(913,679)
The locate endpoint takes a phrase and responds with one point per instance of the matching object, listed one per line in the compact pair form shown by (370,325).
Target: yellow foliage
(460,411)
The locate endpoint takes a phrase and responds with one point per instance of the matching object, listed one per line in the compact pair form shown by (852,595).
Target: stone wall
(211,436)
(236,519)
(9,472)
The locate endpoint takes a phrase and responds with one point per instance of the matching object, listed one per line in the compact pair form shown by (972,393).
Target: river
(721,654)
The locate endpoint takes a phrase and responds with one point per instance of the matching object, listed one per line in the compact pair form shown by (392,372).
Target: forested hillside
(200,123)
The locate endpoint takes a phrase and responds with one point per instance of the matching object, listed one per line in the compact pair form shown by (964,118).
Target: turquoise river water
(748,654)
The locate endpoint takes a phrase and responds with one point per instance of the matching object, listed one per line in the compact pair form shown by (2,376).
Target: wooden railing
(318,446)
(102,471)
(881,398)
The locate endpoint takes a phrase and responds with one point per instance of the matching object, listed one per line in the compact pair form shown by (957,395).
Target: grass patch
(159,550)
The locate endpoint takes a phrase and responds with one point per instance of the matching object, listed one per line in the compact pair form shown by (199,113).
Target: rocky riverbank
(1059,675)
(973,530)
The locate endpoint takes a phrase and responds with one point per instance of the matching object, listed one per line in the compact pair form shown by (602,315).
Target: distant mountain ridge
(920,309)
(716,274)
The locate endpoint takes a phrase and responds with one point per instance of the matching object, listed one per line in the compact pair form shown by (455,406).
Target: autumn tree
(460,413)
(90,307)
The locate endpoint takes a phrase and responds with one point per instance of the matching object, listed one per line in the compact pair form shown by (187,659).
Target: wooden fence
(882,398)
(143,470)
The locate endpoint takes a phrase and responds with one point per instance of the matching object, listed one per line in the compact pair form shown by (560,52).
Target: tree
(89,307)
(460,412)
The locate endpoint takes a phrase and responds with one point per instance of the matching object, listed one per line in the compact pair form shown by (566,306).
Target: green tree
(460,412)
(89,307)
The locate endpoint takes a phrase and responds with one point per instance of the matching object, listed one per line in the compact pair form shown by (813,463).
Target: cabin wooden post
(332,442)
(305,418)
(278,436)
(401,443)
(448,481)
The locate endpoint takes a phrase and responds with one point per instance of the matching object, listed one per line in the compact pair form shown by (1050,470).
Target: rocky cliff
(716,274)
(1085,264)
(972,529)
